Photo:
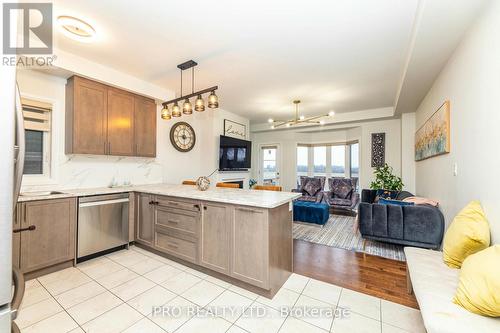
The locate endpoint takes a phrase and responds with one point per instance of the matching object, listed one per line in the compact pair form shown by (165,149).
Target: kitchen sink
(39,193)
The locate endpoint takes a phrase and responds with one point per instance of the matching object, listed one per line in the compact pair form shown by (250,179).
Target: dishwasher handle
(102,202)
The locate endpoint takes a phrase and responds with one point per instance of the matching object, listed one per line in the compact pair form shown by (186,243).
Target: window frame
(48,149)
(329,166)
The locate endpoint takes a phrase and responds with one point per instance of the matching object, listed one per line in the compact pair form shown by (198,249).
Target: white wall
(83,171)
(408,151)
(288,140)
(471,81)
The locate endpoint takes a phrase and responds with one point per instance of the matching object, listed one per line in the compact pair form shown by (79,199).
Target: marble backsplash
(88,171)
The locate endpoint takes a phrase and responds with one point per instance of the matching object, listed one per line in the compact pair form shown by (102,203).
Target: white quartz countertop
(253,198)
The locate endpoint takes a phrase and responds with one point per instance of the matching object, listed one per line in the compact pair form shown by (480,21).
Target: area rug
(339,232)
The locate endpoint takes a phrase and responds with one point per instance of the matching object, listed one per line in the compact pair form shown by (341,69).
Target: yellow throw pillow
(479,286)
(468,233)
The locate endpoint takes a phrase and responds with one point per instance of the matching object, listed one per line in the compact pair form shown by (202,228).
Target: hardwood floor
(372,275)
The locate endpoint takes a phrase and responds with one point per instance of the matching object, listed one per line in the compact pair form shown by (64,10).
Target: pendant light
(187,108)
(199,105)
(165,113)
(176,110)
(213,100)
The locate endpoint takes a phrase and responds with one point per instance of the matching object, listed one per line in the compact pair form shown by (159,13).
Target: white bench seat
(434,285)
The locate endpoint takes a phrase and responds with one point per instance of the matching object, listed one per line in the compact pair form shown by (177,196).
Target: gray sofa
(419,225)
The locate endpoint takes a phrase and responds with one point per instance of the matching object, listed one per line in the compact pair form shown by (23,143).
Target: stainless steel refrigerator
(11,171)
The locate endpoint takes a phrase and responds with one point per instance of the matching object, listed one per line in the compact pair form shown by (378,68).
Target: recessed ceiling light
(270,120)
(302,117)
(76,29)
(331,113)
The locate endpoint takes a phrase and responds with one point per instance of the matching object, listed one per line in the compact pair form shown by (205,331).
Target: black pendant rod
(201,92)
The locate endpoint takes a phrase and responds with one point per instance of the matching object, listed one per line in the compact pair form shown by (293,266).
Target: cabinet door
(145,219)
(120,123)
(145,127)
(53,239)
(250,246)
(215,245)
(86,117)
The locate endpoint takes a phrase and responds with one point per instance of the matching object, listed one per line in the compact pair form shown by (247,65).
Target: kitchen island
(241,236)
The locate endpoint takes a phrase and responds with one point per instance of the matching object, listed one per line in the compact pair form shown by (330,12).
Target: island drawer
(178,220)
(189,205)
(178,247)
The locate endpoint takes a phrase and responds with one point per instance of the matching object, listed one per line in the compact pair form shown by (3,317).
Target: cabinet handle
(109,148)
(205,207)
(173,246)
(173,222)
(105,152)
(248,210)
(197,206)
(30,228)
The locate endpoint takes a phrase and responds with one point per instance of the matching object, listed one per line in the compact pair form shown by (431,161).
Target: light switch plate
(455,169)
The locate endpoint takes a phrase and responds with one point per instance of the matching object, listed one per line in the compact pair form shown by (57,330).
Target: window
(354,159)
(37,116)
(319,161)
(302,162)
(338,161)
(328,160)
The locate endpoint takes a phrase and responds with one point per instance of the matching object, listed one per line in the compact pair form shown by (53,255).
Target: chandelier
(316,120)
(187,108)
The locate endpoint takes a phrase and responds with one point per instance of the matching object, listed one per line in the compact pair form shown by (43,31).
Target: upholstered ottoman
(312,212)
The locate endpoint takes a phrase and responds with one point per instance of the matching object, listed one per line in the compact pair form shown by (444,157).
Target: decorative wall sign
(433,138)
(234,129)
(378,149)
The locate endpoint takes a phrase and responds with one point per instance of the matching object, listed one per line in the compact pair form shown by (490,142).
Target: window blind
(36,115)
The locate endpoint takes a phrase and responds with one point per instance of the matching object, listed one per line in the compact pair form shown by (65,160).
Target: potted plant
(386,182)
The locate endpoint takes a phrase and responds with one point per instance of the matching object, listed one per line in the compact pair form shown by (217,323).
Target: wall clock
(182,136)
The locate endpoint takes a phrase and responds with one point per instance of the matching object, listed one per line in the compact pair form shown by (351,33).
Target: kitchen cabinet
(145,127)
(250,254)
(86,117)
(48,233)
(120,123)
(145,214)
(249,244)
(104,120)
(215,246)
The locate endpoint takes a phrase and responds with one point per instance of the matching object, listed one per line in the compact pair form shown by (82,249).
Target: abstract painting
(433,138)
(378,149)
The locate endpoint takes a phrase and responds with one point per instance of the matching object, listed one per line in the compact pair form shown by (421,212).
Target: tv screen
(234,153)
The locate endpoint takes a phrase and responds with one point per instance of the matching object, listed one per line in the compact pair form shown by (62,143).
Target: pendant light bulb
(176,110)
(187,108)
(213,100)
(165,113)
(199,104)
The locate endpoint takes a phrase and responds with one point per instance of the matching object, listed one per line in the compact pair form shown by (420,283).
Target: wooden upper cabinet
(103,120)
(145,127)
(120,123)
(86,116)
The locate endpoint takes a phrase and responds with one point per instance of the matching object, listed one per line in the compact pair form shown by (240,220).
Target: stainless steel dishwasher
(102,223)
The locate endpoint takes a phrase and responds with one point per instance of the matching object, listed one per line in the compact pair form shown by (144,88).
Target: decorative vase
(203,183)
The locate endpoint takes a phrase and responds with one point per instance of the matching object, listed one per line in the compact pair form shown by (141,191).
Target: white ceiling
(345,55)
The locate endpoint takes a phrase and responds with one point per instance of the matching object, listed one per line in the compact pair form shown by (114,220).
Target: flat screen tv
(234,154)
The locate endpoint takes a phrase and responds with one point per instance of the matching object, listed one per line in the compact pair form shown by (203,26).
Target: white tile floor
(117,293)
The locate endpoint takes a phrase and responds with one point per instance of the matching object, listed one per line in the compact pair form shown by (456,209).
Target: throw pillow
(479,285)
(468,233)
(312,186)
(386,194)
(394,202)
(341,187)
